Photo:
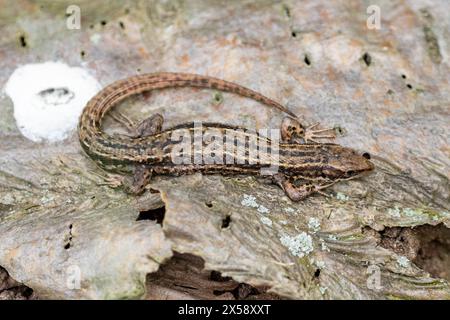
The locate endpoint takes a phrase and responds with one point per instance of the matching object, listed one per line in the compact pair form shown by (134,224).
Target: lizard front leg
(142,173)
(292,131)
(297,193)
(147,127)
(141,177)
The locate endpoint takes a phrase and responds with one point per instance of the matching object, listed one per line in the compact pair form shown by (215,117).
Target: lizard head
(345,163)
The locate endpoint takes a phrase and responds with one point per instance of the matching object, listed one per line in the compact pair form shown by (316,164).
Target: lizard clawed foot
(150,126)
(112,180)
(292,131)
(297,193)
(147,127)
(319,188)
(132,185)
(123,120)
(312,135)
(140,179)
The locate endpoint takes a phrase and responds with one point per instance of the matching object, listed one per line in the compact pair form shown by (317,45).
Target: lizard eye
(366,155)
(350,172)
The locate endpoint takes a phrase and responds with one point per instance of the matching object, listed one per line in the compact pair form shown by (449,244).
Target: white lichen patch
(319,264)
(415,214)
(266,221)
(7,199)
(262,209)
(394,212)
(289,210)
(48,99)
(46,199)
(332,237)
(300,245)
(95,38)
(403,261)
(409,212)
(323,290)
(249,201)
(324,246)
(313,224)
(342,197)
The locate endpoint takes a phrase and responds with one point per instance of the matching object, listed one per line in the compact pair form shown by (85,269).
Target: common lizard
(305,166)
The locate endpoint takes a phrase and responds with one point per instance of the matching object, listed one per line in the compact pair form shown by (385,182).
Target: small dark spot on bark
(218,292)
(367,59)
(103,22)
(208,204)
(226,222)
(317,273)
(23,41)
(127,11)
(340,131)
(91,26)
(218,98)
(82,53)
(68,244)
(243,290)
(27,292)
(122,25)
(307,60)
(409,86)
(294,34)
(390,91)
(217,276)
(404,76)
(154,215)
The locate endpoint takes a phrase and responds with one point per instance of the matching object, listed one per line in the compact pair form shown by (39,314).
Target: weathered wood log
(66,233)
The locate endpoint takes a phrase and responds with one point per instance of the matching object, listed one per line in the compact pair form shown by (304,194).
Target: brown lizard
(303,167)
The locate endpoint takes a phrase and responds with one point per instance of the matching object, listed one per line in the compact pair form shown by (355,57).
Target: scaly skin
(318,165)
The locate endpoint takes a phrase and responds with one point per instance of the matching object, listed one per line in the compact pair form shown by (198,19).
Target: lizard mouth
(350,175)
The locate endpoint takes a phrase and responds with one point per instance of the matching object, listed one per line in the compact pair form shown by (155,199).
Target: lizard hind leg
(141,177)
(292,131)
(298,193)
(123,120)
(149,126)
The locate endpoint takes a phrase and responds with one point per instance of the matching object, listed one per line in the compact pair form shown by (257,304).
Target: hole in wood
(367,59)
(307,60)
(23,41)
(226,222)
(154,215)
